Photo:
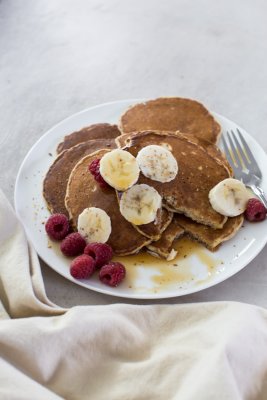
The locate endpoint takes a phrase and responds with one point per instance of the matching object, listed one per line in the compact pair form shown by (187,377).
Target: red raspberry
(101,252)
(82,267)
(73,245)
(94,169)
(112,274)
(57,226)
(255,210)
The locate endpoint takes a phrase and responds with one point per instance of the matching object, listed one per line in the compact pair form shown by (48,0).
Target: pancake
(56,180)
(198,173)
(96,131)
(164,246)
(154,229)
(211,238)
(83,192)
(171,114)
(121,141)
(210,147)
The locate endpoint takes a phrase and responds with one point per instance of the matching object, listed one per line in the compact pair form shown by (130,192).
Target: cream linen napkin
(205,351)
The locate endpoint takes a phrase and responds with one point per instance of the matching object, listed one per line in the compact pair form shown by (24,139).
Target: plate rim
(108,290)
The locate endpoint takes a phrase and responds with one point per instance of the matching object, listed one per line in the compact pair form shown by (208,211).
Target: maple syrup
(146,273)
(166,274)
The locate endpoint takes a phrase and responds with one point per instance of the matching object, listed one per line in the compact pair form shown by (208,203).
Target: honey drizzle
(166,274)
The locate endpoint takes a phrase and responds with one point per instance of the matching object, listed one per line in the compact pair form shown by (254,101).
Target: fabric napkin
(203,351)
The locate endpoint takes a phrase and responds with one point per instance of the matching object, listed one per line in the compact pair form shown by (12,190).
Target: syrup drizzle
(192,265)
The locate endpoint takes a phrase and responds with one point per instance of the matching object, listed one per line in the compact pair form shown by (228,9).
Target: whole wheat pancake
(211,238)
(121,141)
(96,131)
(171,114)
(56,180)
(154,229)
(198,173)
(83,191)
(163,247)
(211,148)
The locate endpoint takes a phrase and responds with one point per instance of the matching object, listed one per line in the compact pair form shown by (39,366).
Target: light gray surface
(59,57)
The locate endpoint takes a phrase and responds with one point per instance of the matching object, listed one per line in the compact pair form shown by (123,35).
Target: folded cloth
(203,351)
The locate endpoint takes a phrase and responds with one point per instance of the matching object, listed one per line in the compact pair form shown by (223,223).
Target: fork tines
(238,152)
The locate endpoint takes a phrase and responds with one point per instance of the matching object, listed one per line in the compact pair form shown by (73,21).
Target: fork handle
(260,193)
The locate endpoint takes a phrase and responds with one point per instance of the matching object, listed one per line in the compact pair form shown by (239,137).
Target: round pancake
(171,114)
(96,131)
(211,148)
(83,191)
(198,173)
(56,180)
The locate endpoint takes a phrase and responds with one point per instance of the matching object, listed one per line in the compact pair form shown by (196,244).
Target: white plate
(198,271)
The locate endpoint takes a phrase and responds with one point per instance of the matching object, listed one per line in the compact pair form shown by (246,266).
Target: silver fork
(242,161)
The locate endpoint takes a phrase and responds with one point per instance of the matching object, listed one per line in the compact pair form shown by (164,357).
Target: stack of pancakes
(190,132)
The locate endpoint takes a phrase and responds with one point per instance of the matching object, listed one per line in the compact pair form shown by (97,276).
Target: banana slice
(94,225)
(157,163)
(139,204)
(119,169)
(229,197)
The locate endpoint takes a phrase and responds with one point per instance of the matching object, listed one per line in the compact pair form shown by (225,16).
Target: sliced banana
(229,197)
(157,163)
(119,169)
(139,204)
(94,225)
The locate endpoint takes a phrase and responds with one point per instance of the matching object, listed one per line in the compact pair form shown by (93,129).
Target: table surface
(59,57)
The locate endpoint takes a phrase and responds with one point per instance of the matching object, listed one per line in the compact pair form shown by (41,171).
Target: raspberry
(82,267)
(73,245)
(57,226)
(94,169)
(101,252)
(255,210)
(112,274)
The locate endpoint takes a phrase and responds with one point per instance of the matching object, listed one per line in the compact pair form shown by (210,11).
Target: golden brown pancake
(121,141)
(211,148)
(163,247)
(171,114)
(154,229)
(198,173)
(83,192)
(211,238)
(96,131)
(56,180)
